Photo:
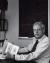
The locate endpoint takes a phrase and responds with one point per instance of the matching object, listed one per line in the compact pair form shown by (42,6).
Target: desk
(5,61)
(13,61)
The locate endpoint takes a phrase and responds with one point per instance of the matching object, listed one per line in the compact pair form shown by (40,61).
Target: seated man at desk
(40,44)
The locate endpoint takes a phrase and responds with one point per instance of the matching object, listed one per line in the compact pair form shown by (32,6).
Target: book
(11,48)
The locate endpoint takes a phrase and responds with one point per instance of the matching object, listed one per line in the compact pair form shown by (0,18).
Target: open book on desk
(11,48)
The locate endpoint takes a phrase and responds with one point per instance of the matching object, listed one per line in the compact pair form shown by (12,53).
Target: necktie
(34,47)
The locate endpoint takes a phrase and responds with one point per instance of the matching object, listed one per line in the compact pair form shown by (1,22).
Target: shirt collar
(41,38)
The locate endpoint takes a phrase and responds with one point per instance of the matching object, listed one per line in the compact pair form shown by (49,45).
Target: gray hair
(40,24)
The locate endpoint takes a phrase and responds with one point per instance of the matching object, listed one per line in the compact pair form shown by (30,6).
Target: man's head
(38,29)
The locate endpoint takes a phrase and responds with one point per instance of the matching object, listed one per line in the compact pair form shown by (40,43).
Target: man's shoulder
(45,41)
(46,38)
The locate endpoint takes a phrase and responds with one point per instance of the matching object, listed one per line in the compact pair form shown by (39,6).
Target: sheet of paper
(11,48)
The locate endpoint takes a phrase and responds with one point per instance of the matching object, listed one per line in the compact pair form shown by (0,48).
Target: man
(34,50)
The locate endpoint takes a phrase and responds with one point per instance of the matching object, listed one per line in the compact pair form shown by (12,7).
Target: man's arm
(28,48)
(25,49)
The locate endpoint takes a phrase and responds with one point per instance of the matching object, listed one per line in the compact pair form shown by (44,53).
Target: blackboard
(29,12)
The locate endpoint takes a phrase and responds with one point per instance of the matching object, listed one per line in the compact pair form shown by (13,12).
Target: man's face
(38,32)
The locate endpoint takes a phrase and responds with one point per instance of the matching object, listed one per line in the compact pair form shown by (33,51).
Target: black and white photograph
(24,31)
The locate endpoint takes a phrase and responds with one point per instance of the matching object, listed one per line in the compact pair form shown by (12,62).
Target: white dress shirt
(41,47)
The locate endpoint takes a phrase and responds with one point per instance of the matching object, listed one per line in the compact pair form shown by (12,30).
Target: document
(11,48)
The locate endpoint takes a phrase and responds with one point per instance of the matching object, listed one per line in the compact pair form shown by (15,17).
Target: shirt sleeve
(26,49)
(20,57)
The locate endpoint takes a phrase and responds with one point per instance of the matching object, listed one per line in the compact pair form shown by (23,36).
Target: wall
(13,21)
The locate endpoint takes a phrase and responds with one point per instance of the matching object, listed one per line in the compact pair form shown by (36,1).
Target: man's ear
(43,30)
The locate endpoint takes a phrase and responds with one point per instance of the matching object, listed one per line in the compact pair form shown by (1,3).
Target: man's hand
(30,57)
(10,56)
